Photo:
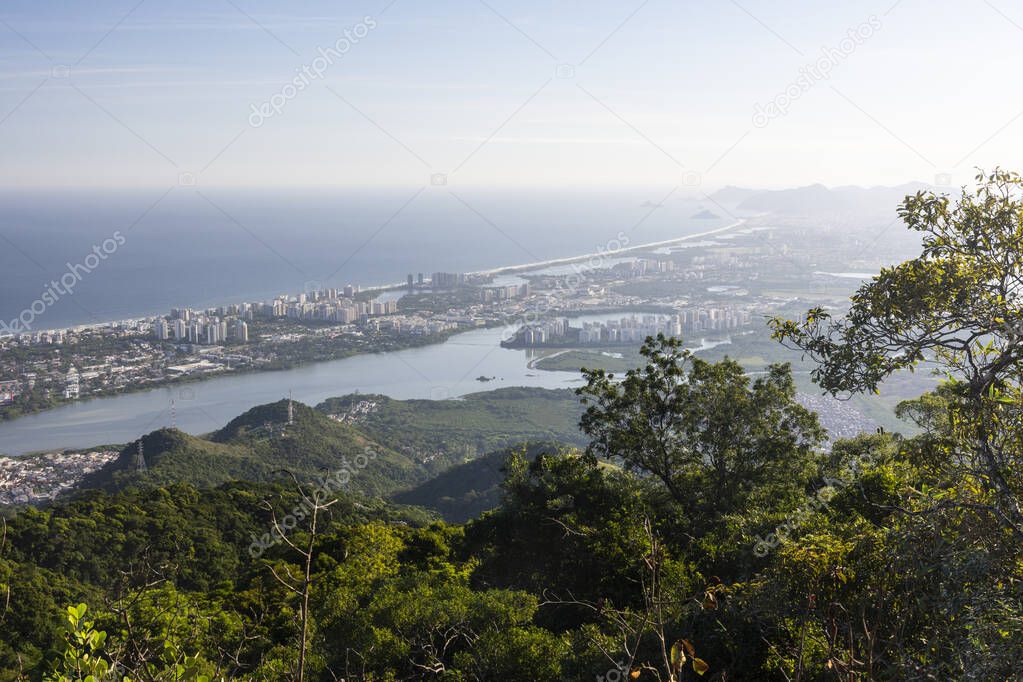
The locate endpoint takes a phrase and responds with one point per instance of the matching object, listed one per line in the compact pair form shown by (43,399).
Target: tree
(717,440)
(564,525)
(85,660)
(83,655)
(314,505)
(958,305)
(635,641)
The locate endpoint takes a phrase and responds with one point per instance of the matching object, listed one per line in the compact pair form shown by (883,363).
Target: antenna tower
(140,460)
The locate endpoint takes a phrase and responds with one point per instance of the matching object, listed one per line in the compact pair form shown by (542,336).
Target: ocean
(141,253)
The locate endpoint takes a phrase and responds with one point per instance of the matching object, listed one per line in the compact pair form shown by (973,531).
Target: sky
(506,93)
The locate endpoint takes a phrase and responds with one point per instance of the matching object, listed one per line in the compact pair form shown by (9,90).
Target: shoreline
(525,267)
(186,379)
(202,378)
(521,267)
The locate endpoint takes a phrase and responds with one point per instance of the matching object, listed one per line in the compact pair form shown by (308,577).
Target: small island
(706,215)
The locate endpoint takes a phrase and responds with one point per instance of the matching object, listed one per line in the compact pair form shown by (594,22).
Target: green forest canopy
(722,543)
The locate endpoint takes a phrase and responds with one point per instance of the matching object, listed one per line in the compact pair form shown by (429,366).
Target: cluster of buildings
(206,341)
(186,326)
(642,267)
(627,330)
(706,319)
(633,329)
(9,390)
(438,280)
(447,280)
(34,479)
(325,308)
(542,333)
(504,293)
(229,324)
(50,336)
(71,335)
(415,325)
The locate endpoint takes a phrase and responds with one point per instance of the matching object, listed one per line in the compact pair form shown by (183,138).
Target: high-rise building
(411,285)
(442,280)
(240,331)
(161,329)
(72,387)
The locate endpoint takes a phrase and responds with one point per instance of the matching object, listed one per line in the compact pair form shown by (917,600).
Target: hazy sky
(507,92)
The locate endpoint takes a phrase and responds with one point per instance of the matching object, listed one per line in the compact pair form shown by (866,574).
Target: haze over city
(481,340)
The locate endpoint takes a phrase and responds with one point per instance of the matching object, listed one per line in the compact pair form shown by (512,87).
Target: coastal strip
(525,267)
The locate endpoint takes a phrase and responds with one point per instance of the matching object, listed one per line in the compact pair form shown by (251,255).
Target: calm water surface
(445,370)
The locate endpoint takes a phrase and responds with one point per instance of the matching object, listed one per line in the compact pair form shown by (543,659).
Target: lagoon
(440,371)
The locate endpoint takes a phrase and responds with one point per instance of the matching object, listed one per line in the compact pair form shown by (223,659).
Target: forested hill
(257,446)
(388,445)
(457,430)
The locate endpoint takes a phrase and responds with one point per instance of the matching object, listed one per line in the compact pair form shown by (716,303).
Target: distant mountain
(732,195)
(705,215)
(817,199)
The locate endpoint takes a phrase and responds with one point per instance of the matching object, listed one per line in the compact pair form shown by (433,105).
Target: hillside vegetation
(706,530)
(462,429)
(258,446)
(465,491)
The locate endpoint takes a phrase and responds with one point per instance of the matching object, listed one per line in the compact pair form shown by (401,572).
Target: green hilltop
(258,446)
(443,455)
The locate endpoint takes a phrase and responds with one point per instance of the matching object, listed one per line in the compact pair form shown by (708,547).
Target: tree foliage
(708,531)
